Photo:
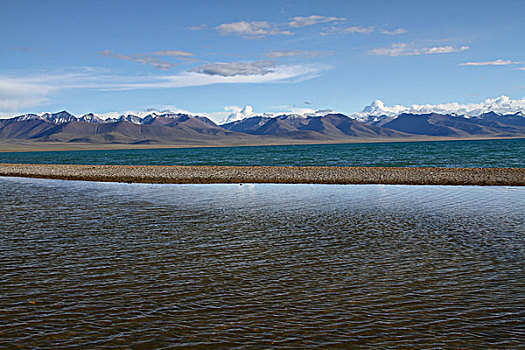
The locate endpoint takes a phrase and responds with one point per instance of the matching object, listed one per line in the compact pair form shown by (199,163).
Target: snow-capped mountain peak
(91,118)
(60,117)
(376,112)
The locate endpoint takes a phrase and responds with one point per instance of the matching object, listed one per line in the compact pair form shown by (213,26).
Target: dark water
(108,265)
(470,154)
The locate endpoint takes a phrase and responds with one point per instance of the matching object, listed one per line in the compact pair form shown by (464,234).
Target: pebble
(262,174)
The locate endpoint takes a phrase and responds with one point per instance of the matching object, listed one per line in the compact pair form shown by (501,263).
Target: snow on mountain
(55,118)
(91,118)
(247,112)
(127,117)
(60,117)
(319,113)
(27,117)
(375,113)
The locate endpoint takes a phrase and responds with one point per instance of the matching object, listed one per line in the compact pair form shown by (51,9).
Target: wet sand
(250,174)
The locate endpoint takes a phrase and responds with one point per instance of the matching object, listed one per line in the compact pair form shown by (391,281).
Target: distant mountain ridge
(337,125)
(180,128)
(89,128)
(65,116)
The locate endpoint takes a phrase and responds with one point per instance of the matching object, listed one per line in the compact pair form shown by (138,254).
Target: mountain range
(179,128)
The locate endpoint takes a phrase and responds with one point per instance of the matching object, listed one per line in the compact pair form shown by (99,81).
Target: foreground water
(469,154)
(108,265)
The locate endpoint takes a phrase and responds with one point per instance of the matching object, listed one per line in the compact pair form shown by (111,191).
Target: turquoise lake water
(485,153)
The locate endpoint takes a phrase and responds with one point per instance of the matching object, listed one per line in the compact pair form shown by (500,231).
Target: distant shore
(252,174)
(43,146)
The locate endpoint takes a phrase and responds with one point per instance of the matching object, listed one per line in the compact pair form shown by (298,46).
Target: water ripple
(101,265)
(470,154)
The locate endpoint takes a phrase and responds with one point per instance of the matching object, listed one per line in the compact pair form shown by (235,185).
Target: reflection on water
(284,266)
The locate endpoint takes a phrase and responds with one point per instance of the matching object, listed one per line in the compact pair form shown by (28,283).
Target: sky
(216,57)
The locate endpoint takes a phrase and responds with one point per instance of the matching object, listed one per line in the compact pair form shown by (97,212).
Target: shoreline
(270,174)
(41,146)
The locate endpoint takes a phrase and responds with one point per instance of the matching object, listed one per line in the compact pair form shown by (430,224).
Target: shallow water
(468,154)
(108,265)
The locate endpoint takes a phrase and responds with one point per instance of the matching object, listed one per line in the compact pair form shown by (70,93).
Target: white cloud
(361,30)
(292,53)
(175,53)
(491,63)
(143,59)
(402,49)
(299,110)
(152,57)
(298,21)
(185,79)
(356,29)
(397,31)
(237,113)
(251,29)
(521,68)
(44,84)
(259,29)
(232,69)
(165,109)
(500,105)
(346,30)
(16,95)
(378,108)
(199,27)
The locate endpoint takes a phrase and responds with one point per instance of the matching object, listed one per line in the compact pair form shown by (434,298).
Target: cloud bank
(199,27)
(172,53)
(298,21)
(292,53)
(251,29)
(152,58)
(143,59)
(361,30)
(500,105)
(17,95)
(348,30)
(491,63)
(403,49)
(235,68)
(237,113)
(332,25)
(259,29)
(397,31)
(22,92)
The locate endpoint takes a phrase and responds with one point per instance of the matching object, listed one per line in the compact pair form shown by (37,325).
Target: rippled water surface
(108,265)
(469,154)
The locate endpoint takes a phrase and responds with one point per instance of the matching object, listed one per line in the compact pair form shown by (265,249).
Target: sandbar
(270,174)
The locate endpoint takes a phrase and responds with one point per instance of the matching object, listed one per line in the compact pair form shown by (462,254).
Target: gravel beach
(250,174)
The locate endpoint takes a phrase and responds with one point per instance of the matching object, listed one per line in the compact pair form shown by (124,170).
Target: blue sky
(215,57)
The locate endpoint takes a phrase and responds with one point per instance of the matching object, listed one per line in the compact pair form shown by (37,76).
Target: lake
(469,154)
(110,265)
